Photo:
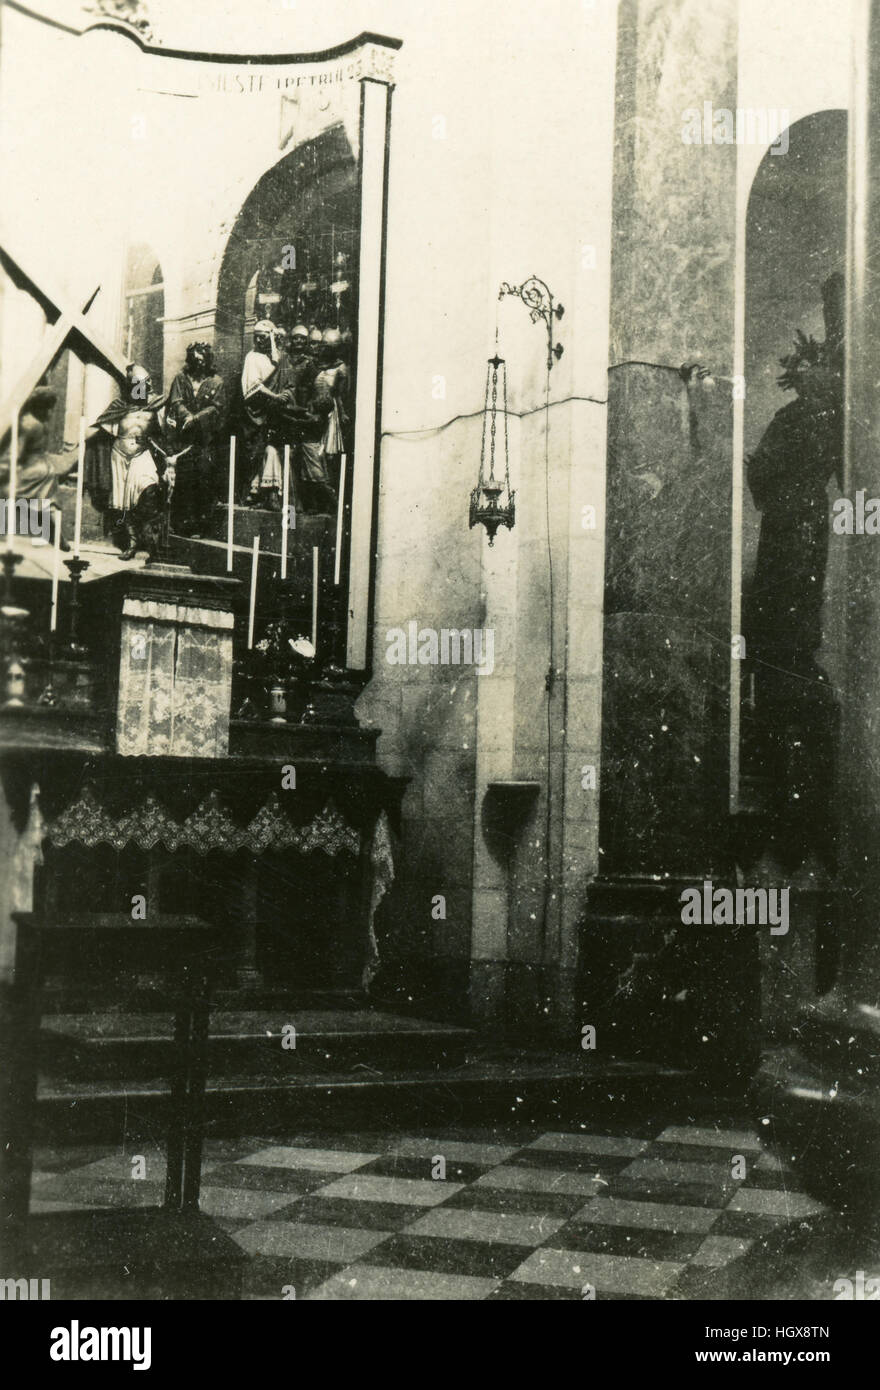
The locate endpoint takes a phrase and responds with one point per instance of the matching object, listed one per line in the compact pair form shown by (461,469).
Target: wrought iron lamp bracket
(539,301)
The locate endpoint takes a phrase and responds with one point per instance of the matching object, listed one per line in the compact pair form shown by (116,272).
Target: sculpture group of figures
(148,454)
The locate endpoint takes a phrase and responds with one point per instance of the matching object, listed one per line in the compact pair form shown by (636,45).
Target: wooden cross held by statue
(69,320)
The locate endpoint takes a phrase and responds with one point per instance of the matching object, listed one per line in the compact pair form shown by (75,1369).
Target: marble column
(659,989)
(823,1098)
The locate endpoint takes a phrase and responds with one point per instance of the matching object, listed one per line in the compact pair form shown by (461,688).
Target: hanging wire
(506,443)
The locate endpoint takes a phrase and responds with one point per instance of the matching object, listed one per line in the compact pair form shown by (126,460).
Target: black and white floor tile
(640,1213)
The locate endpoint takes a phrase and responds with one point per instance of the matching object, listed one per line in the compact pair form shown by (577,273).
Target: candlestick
(339,508)
(230,517)
(80,479)
(284,514)
(254,567)
(315,596)
(10,561)
(56,573)
(13,479)
(77,567)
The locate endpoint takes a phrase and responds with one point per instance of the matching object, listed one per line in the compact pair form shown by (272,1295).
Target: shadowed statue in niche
(788,475)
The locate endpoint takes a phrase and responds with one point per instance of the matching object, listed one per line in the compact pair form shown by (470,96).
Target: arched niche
(795,240)
(308,245)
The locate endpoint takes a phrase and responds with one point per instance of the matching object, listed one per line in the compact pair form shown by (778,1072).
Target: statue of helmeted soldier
(195,413)
(788,476)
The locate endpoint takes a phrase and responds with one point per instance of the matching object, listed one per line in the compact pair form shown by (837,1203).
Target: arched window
(143,312)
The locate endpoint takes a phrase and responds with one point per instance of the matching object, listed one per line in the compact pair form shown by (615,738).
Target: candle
(13,478)
(56,572)
(315,597)
(230,511)
(255,562)
(339,507)
(80,479)
(284,501)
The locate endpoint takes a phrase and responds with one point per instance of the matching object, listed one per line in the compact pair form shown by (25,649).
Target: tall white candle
(314,596)
(13,478)
(285,498)
(80,480)
(230,517)
(339,508)
(56,573)
(255,563)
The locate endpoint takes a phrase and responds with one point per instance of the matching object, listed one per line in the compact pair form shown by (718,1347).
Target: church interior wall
(559,230)
(472,203)
(468,189)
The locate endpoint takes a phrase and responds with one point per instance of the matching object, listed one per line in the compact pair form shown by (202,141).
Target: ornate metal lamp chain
(483,434)
(493,417)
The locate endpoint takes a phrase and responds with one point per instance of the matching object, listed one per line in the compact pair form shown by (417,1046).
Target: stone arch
(308,198)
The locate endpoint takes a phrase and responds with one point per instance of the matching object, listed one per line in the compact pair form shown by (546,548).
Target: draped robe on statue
(135,488)
(263,470)
(194,415)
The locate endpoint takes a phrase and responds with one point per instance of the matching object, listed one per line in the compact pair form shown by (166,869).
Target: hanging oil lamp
(487,506)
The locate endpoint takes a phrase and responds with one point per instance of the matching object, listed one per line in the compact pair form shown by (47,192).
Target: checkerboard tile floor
(639,1213)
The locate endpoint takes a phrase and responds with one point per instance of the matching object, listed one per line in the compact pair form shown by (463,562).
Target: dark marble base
(656,989)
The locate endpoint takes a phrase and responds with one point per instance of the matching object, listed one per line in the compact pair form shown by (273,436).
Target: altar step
(207,553)
(124,997)
(483,1086)
(269,1043)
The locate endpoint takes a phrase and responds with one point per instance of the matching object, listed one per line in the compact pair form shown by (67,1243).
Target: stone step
(204,555)
(114,1046)
(550,1085)
(310,528)
(61,996)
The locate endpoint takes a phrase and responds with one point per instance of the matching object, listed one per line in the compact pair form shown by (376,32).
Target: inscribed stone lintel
(147,609)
